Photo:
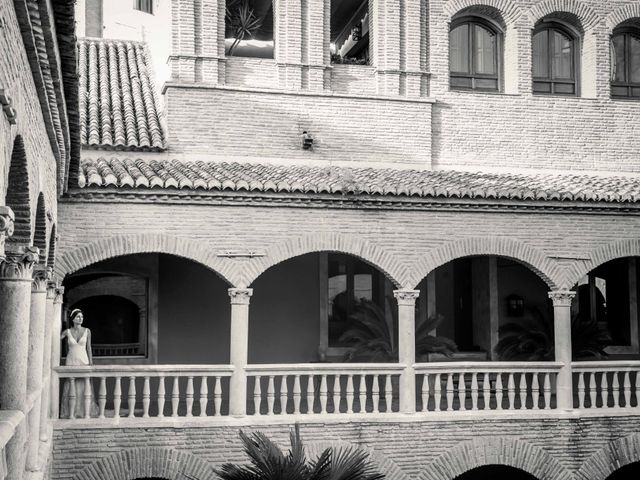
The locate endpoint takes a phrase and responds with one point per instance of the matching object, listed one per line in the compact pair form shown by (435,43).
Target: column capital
(240,296)
(41,278)
(18,263)
(6,225)
(406,297)
(562,298)
(53,289)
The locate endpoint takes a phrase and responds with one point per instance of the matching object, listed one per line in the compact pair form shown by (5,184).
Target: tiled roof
(118,104)
(173,174)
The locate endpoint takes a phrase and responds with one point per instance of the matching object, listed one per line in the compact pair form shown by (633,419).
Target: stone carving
(562,298)
(406,297)
(240,296)
(18,264)
(6,225)
(41,277)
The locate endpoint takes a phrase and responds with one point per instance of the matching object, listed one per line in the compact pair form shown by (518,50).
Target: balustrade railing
(485,386)
(9,421)
(143,391)
(610,384)
(323,388)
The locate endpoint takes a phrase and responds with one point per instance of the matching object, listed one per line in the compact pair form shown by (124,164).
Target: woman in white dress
(78,353)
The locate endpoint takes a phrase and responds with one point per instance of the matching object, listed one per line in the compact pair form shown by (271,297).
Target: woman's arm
(89,347)
(63,334)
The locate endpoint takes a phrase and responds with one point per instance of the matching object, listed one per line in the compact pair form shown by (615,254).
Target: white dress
(77,355)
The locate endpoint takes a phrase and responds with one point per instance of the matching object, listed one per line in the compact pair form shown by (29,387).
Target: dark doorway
(491,472)
(628,472)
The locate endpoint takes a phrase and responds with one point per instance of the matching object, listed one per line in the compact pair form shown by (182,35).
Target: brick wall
(548,448)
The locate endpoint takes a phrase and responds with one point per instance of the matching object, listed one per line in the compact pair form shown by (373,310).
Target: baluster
(102,395)
(72,398)
(132,397)
(449,388)
(499,391)
(337,394)
(311,393)
(604,390)
(204,396)
(375,393)
(581,390)
(535,391)
(547,391)
(437,396)
(146,397)
(296,394)
(388,394)
(175,396)
(636,389)
(271,395)
(189,396)
(486,391)
(522,390)
(217,395)
(350,393)
(462,392)
(362,393)
(257,395)
(511,391)
(117,396)
(323,394)
(161,396)
(592,389)
(627,390)
(616,390)
(284,395)
(425,392)
(87,397)
(474,391)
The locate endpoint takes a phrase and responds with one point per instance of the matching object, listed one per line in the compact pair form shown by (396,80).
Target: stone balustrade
(611,384)
(9,421)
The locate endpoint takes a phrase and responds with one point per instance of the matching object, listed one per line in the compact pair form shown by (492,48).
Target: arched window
(554,60)
(474,55)
(625,63)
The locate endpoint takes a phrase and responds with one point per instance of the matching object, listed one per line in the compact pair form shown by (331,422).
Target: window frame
(553,26)
(137,5)
(474,21)
(630,86)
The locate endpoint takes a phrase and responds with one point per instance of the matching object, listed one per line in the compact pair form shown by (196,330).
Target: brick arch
(328,242)
(587,16)
(495,451)
(51,255)
(385,465)
(18,195)
(622,14)
(40,230)
(529,256)
(148,462)
(509,9)
(604,254)
(197,251)
(604,462)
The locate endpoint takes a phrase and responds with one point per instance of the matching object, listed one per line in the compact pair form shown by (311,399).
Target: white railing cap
(9,421)
(470,367)
(142,370)
(602,365)
(326,368)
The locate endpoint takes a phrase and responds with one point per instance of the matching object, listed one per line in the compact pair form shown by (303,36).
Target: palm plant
(269,462)
(241,21)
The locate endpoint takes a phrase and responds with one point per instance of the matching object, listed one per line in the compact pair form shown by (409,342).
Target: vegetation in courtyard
(372,338)
(242,23)
(269,462)
(531,338)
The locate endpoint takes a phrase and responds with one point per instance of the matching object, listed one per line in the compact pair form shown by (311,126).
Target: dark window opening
(249,28)
(350,32)
(554,60)
(144,6)
(496,471)
(625,63)
(474,55)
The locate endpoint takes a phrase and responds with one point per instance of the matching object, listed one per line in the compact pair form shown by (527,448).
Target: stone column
(56,327)
(239,349)
(46,365)
(562,334)
(15,301)
(407,347)
(41,276)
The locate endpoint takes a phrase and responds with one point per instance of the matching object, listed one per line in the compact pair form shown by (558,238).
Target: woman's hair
(74,313)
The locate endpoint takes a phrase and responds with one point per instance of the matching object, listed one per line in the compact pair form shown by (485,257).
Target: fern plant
(269,462)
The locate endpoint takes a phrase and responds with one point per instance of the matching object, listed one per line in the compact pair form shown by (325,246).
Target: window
(350,32)
(474,60)
(145,6)
(554,60)
(625,63)
(249,29)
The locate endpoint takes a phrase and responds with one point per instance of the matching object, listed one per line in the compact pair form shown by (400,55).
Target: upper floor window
(350,32)
(474,55)
(249,28)
(554,60)
(625,63)
(144,6)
